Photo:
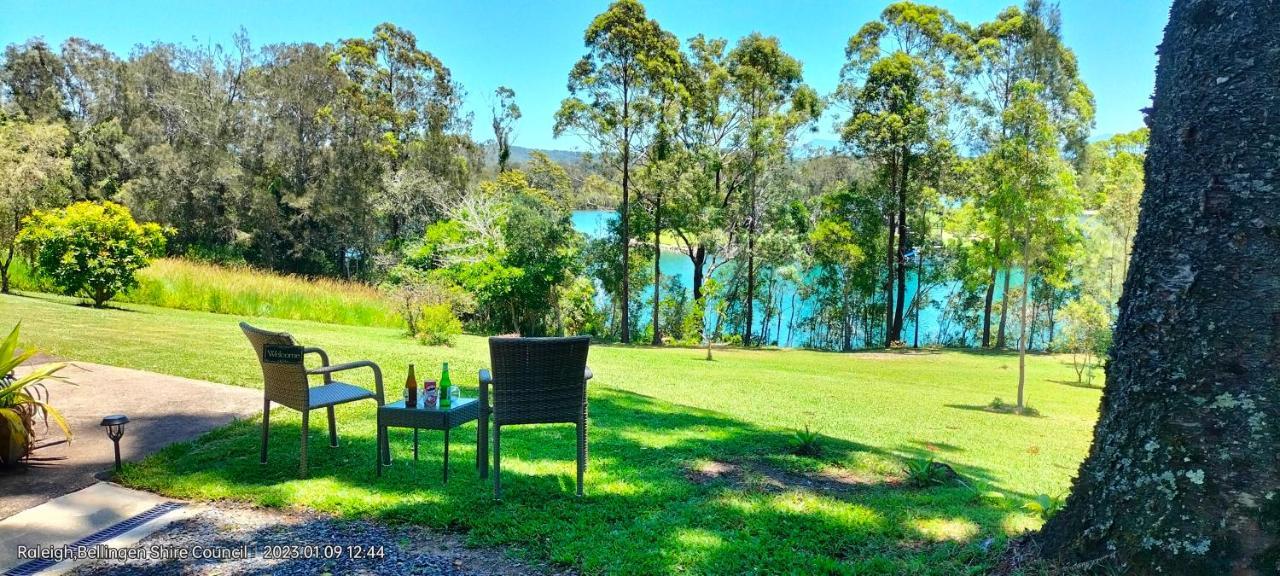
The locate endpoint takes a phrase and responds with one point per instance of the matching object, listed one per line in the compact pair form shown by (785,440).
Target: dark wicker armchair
(284,379)
(537,381)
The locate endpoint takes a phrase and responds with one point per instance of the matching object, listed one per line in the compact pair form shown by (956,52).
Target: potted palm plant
(24,402)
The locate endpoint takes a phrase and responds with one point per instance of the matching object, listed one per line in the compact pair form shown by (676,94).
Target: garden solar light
(115,430)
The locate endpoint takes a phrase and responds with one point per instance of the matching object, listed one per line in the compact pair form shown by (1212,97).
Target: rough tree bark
(1183,476)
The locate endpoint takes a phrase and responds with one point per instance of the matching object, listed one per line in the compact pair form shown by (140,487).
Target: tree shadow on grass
(1029,411)
(1075,384)
(643,513)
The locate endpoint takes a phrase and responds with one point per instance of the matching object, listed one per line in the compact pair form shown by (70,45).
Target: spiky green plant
(1045,505)
(807,443)
(24,401)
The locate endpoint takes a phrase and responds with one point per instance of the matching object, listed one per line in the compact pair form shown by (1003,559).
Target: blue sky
(530,46)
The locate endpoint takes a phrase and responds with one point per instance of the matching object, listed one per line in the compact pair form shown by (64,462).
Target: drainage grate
(36,566)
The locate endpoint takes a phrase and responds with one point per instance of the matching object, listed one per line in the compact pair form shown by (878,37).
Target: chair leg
(306,429)
(266,424)
(582,453)
(333,430)
(497,462)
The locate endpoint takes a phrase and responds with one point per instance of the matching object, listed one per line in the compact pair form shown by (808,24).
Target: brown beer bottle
(410,390)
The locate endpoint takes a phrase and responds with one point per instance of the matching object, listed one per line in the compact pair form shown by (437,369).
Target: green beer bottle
(445,385)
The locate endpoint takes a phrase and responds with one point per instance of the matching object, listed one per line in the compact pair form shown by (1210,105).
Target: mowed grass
(204,287)
(690,468)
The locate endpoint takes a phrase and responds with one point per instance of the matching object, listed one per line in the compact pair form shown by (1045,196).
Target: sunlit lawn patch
(691,461)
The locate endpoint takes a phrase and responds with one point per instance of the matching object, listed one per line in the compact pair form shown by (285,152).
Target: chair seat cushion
(337,393)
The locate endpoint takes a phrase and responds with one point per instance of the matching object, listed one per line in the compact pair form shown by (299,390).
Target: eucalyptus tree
(1022,44)
(505,114)
(768,85)
(709,120)
(613,103)
(1037,191)
(1182,475)
(35,80)
(1113,181)
(414,103)
(900,79)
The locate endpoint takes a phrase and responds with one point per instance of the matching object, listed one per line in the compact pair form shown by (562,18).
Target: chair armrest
(588,374)
(377,373)
(324,359)
(486,380)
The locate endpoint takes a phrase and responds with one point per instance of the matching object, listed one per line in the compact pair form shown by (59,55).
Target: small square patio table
(461,411)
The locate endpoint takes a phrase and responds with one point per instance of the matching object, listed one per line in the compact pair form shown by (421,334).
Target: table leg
(446,454)
(415,444)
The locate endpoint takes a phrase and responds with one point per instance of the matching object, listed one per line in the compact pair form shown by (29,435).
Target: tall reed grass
(244,291)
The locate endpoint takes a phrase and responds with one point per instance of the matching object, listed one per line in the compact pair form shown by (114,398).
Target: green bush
(91,250)
(437,325)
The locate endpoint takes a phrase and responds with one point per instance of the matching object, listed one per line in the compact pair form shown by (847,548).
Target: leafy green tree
(614,102)
(1037,191)
(91,250)
(517,271)
(35,173)
(1087,334)
(414,104)
(902,72)
(843,241)
(35,79)
(776,104)
(1113,181)
(1022,45)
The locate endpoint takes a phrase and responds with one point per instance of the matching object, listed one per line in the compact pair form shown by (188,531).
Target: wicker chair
(537,381)
(284,379)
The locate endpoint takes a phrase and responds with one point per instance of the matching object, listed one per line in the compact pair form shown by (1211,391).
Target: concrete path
(162,410)
(69,519)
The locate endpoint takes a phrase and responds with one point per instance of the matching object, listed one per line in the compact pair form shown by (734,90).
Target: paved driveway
(162,410)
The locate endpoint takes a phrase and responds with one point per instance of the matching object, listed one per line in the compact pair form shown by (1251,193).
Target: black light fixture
(115,430)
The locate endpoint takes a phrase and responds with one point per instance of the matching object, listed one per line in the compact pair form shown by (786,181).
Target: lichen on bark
(1184,470)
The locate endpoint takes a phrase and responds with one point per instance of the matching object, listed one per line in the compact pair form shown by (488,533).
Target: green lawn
(661,419)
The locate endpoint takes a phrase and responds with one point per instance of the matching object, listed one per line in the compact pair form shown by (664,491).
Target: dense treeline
(964,171)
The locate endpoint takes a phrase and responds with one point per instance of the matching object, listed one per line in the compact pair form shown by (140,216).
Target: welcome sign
(282,354)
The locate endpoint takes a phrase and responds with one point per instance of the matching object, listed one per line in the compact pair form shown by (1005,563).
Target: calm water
(593,224)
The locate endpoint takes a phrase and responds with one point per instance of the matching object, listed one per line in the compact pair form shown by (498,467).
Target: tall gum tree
(1020,44)
(769,85)
(901,74)
(1183,475)
(612,103)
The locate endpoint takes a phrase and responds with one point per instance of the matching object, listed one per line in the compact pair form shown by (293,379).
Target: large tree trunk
(657,264)
(749,301)
(1183,475)
(1023,325)
(889,336)
(901,251)
(626,239)
(699,261)
(1004,309)
(986,309)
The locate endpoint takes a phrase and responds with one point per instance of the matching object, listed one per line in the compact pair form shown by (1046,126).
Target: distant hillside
(520,154)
